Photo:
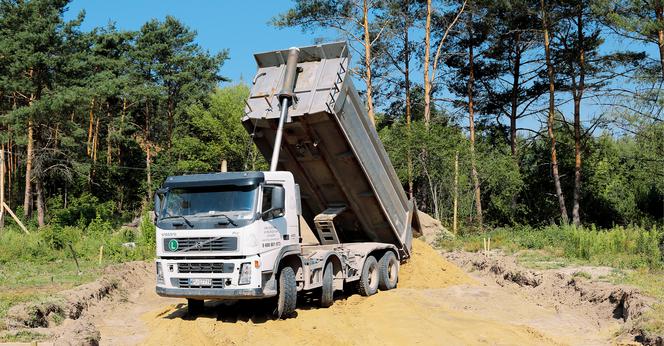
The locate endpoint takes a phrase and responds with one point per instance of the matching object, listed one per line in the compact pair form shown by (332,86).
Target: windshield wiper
(226,216)
(191,225)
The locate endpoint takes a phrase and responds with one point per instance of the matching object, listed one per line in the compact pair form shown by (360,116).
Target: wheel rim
(392,271)
(373,276)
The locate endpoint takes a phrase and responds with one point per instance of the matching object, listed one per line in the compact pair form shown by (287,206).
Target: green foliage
(433,152)
(213,133)
(148,232)
(56,237)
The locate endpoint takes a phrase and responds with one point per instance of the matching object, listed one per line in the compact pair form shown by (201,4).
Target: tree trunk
(90,126)
(427,53)
(27,199)
(550,118)
(148,159)
(515,92)
(471,121)
(109,131)
(170,122)
(41,206)
(148,172)
(659,14)
(2,186)
(95,141)
(367,62)
(578,96)
(456,193)
(406,49)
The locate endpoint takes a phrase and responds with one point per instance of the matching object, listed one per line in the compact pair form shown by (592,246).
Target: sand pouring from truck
(330,213)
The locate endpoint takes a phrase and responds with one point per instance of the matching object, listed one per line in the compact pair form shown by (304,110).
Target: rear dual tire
(383,274)
(369,278)
(389,271)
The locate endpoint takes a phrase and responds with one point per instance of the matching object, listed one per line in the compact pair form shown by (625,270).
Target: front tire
(369,278)
(287,299)
(195,306)
(327,296)
(389,271)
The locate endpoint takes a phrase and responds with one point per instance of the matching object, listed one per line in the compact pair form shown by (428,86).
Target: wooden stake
(11,213)
(224,166)
(101,253)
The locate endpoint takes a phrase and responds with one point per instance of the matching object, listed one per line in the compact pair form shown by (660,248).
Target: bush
(57,237)
(99,227)
(80,211)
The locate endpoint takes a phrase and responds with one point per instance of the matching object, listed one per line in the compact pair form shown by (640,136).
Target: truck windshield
(231,201)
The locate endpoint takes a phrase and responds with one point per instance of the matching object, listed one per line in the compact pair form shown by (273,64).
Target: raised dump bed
(331,147)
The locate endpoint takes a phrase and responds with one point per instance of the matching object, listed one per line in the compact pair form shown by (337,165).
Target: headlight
(245,273)
(160,275)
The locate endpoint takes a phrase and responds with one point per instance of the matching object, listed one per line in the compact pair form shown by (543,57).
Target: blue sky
(240,26)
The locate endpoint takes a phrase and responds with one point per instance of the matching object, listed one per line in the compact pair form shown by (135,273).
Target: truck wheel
(287,299)
(389,271)
(195,306)
(369,278)
(327,296)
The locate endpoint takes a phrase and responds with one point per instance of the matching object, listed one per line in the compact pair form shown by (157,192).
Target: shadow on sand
(257,311)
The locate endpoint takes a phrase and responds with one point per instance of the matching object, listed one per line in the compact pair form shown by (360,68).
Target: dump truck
(329,215)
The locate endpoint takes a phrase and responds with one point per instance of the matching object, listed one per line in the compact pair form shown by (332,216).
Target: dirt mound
(431,228)
(428,269)
(71,304)
(601,301)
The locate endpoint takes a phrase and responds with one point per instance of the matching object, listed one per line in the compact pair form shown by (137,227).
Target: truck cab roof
(215,179)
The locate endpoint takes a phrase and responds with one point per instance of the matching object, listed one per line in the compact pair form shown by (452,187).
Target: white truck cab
(219,235)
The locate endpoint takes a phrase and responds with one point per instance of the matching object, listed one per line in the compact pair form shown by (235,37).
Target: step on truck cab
(330,214)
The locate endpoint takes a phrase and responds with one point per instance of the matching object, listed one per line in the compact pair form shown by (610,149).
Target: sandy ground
(440,306)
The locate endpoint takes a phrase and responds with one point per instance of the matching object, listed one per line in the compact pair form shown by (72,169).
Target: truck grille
(200,244)
(187,267)
(184,283)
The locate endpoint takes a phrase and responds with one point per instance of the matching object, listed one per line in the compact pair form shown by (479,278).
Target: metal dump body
(331,147)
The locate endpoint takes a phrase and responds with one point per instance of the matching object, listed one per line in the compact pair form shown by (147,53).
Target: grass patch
(542,259)
(35,266)
(22,281)
(620,247)
(23,336)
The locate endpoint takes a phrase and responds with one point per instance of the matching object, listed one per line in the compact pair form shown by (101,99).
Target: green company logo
(173,244)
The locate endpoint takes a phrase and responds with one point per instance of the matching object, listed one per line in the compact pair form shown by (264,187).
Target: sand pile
(432,228)
(397,317)
(428,269)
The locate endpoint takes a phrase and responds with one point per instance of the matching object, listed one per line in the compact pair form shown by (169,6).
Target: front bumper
(173,282)
(212,293)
